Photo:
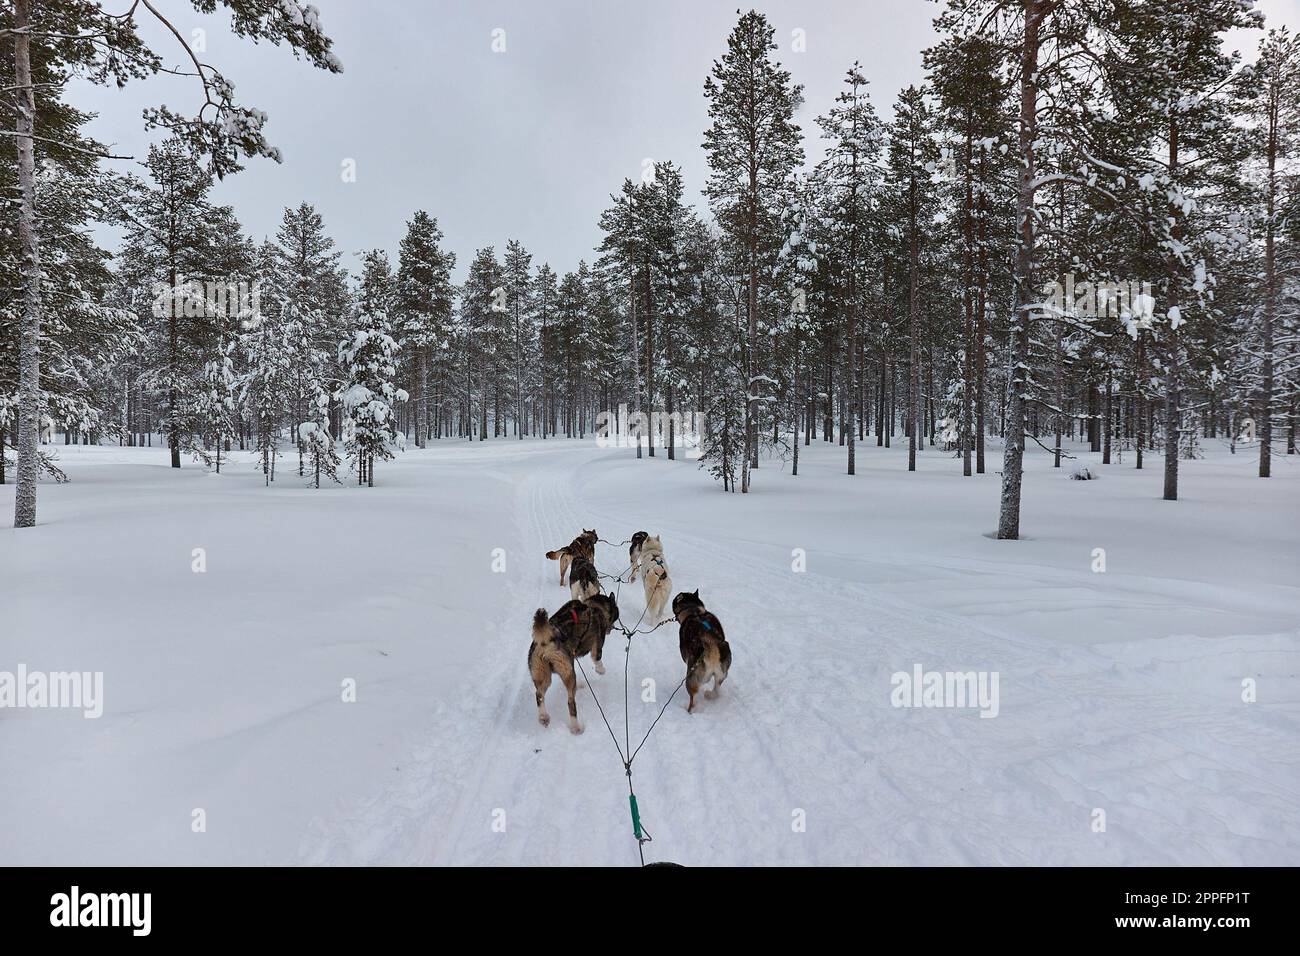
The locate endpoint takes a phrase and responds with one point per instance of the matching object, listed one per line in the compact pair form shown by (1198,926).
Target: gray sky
(526,144)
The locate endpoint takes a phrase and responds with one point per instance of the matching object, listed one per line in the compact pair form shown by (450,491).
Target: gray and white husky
(658,585)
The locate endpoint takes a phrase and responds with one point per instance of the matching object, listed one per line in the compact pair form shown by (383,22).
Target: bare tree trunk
(980,355)
(1172,409)
(1107,421)
(968,318)
(1171,420)
(29,361)
(419,408)
(1270,305)
(1058,419)
(913,315)
(636,361)
(1014,454)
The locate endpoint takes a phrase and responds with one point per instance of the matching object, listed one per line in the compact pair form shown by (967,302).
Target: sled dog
(584,545)
(583,579)
(634,553)
(703,645)
(576,629)
(658,586)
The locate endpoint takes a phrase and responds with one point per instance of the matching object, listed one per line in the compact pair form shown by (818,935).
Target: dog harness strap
(705,624)
(574,612)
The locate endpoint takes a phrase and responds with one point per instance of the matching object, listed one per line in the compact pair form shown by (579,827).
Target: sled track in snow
(805,723)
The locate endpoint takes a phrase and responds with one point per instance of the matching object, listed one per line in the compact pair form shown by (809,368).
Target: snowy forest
(929,370)
(1038,240)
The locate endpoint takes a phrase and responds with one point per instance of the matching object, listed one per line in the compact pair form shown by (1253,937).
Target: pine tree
(968,77)
(368,355)
(424,300)
(850,179)
(517,289)
(171,235)
(315,434)
(482,336)
(753,146)
(214,409)
(266,384)
(1272,110)
(912,159)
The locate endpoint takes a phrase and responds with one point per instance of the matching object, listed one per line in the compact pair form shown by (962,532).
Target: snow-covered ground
(1119,691)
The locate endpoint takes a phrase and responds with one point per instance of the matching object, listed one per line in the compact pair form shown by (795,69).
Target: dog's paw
(600,667)
(710,694)
(575,727)
(544,719)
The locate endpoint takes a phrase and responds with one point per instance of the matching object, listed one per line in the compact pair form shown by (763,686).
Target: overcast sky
(524,144)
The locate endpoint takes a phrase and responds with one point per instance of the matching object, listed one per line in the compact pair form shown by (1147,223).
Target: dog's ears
(697,592)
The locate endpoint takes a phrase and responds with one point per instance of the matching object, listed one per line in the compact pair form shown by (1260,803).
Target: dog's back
(582,625)
(658,585)
(583,546)
(584,581)
(703,645)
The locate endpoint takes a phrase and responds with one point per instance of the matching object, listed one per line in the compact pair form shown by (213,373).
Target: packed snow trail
(1120,693)
(802,759)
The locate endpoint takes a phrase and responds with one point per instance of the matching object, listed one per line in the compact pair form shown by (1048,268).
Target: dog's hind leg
(539,688)
(717,686)
(571,685)
(692,688)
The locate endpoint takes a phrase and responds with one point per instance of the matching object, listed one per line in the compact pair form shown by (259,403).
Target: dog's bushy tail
(541,626)
(554,555)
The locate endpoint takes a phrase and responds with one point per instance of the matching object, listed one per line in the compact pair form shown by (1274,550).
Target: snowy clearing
(1119,691)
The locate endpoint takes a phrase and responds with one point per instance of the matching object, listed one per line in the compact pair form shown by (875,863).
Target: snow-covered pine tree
(214,405)
(517,288)
(1188,142)
(369,356)
(545,296)
(1271,106)
(86,331)
(968,76)
(483,340)
(265,385)
(311,285)
(423,310)
(316,436)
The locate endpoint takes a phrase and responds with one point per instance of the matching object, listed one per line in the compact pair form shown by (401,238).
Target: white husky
(658,586)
